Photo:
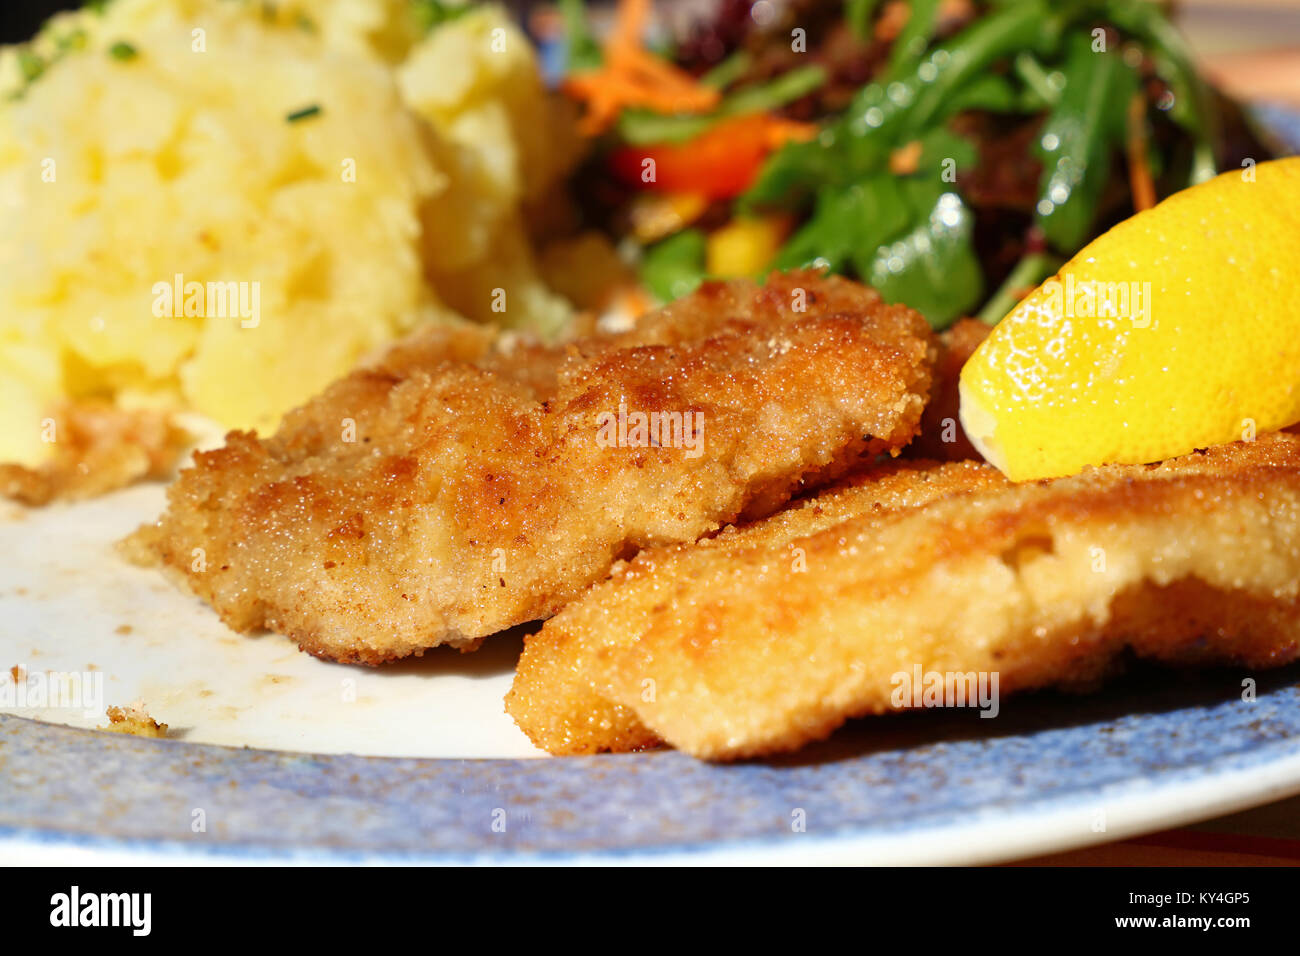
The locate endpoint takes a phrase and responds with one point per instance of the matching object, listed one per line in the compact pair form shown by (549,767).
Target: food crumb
(134,720)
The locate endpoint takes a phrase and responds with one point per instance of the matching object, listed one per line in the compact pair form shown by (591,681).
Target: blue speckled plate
(1282,121)
(1052,772)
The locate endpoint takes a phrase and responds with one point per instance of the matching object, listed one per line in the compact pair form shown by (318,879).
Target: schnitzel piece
(762,639)
(97,448)
(759,641)
(552,698)
(466,484)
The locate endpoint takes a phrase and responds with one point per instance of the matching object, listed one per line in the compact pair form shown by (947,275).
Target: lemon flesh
(1177,329)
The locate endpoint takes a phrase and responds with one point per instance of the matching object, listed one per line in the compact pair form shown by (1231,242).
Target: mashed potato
(220,206)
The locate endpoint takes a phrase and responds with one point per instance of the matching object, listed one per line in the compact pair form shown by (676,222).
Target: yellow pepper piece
(743,247)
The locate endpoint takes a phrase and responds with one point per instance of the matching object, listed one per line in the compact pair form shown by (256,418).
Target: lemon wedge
(1177,329)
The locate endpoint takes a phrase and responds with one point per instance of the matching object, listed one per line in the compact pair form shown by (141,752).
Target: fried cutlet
(761,640)
(465,484)
(552,697)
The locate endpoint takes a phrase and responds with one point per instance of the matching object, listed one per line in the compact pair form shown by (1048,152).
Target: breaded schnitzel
(760,640)
(461,486)
(552,697)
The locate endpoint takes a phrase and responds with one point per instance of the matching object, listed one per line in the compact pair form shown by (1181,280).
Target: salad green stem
(1028,274)
(916,35)
(728,71)
(1077,139)
(643,127)
(1044,85)
(583,53)
(859,13)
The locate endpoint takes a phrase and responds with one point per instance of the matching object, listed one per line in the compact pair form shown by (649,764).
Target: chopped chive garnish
(121,50)
(31,65)
(76,40)
(303,113)
(432,13)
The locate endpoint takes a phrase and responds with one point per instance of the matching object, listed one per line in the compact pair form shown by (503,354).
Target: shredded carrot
(781,131)
(631,76)
(630,24)
(893,18)
(635,301)
(1139,172)
(904,160)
